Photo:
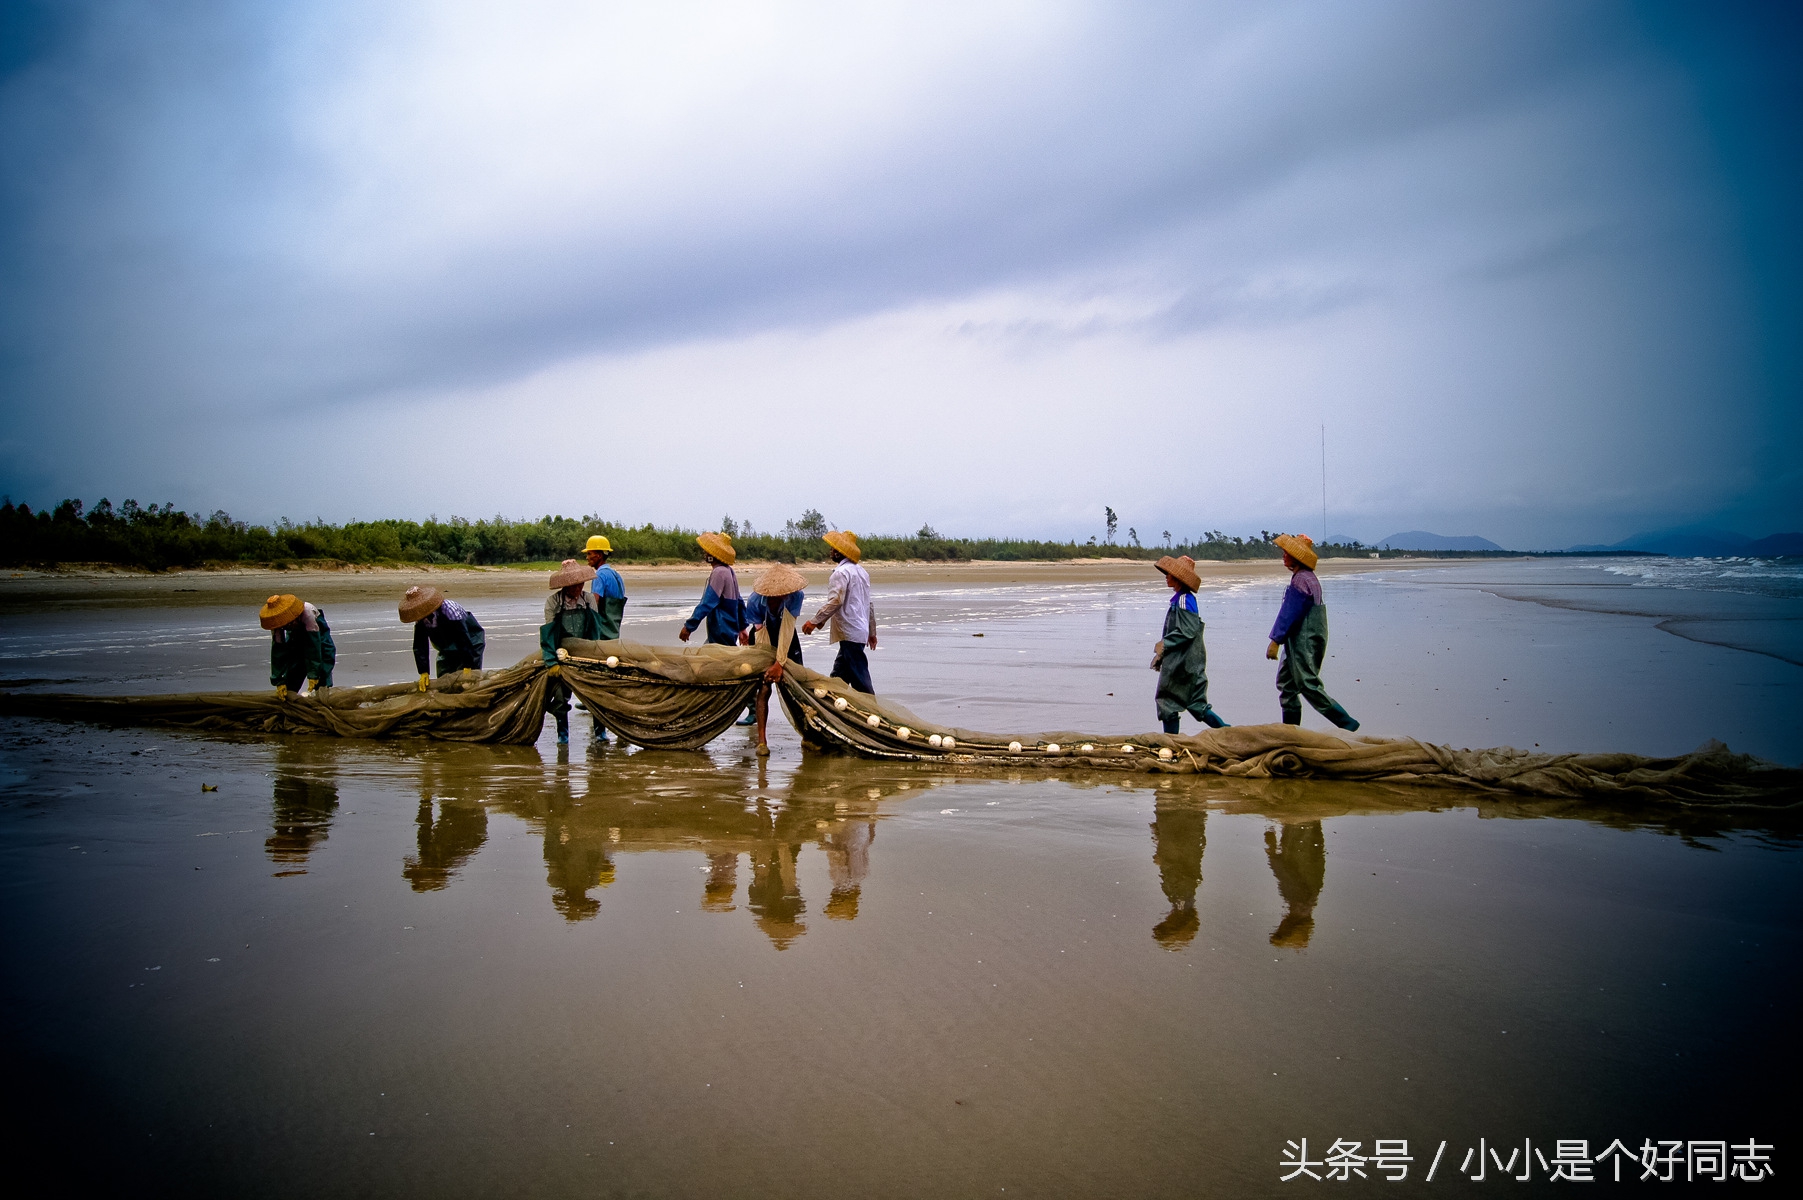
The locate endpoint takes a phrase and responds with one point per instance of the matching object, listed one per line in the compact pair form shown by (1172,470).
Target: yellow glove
(313,687)
(281,691)
(1271,650)
(422,683)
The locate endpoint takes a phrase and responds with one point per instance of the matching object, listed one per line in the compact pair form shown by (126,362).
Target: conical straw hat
(779,580)
(1300,547)
(277,611)
(845,542)
(571,572)
(718,545)
(1183,570)
(420,603)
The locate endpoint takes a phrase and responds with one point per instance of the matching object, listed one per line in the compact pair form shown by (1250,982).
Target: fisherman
(570,612)
(848,608)
(1301,633)
(774,607)
(300,647)
(720,605)
(445,624)
(608,589)
(1180,658)
(609,593)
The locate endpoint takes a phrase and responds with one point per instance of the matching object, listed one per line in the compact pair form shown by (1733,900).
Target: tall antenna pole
(1324,483)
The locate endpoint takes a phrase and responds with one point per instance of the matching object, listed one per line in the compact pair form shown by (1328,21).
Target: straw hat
(571,572)
(599,543)
(1300,547)
(718,545)
(845,542)
(419,603)
(779,580)
(277,611)
(1183,570)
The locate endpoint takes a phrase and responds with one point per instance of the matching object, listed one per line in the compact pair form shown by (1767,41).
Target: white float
(1014,747)
(1165,754)
(613,660)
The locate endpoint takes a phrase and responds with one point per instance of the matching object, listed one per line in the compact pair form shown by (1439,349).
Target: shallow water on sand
(414,969)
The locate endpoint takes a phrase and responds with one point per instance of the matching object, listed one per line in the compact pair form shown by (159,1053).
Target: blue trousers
(853,666)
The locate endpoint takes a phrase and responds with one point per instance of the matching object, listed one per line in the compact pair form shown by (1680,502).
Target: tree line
(156,537)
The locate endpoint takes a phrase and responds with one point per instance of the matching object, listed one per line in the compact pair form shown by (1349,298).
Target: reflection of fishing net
(671,698)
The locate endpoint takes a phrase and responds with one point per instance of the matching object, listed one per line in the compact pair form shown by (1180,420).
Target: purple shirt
(1303,594)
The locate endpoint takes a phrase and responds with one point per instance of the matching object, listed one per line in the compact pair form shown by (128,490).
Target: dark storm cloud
(220,212)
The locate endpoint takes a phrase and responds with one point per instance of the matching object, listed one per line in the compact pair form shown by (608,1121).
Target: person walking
(445,624)
(570,612)
(1179,657)
(720,604)
(300,646)
(1300,633)
(608,589)
(772,611)
(848,609)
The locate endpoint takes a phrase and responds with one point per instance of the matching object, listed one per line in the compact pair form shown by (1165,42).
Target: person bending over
(775,604)
(444,624)
(570,612)
(300,646)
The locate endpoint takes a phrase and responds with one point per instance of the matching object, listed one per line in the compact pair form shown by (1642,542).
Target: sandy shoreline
(231,585)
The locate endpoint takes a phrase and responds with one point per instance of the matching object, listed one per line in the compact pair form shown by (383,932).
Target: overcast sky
(1534,266)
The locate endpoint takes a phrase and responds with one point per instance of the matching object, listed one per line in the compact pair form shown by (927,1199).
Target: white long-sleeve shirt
(847,604)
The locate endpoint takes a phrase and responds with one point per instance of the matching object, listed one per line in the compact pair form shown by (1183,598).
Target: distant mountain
(1420,539)
(1705,542)
(1776,545)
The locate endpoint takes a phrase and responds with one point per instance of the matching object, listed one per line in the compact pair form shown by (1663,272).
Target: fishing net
(682,698)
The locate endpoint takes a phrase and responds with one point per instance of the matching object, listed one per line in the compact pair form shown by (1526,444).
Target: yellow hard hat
(599,543)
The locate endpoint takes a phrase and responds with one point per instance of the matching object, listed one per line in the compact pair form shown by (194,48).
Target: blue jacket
(724,614)
(1303,594)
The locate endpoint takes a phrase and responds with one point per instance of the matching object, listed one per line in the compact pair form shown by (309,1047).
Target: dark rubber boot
(563,729)
(1173,724)
(1292,716)
(1339,716)
(1212,719)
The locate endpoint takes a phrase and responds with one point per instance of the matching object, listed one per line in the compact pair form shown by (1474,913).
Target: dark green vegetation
(158,538)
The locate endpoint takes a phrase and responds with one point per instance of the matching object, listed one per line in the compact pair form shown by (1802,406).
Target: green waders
(1299,674)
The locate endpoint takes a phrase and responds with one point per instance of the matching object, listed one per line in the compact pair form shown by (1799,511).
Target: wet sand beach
(424,969)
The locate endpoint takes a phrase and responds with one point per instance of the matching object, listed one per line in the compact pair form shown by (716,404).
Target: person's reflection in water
(774,894)
(305,796)
(847,848)
(1299,860)
(577,854)
(445,844)
(461,825)
(722,882)
(1179,836)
